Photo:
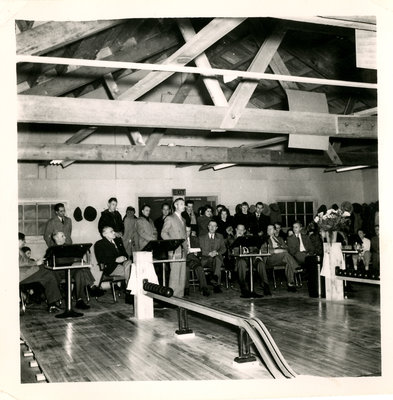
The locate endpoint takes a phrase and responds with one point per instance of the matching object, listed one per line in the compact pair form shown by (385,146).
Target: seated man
(34,272)
(213,249)
(193,262)
(363,249)
(279,255)
(83,277)
(112,254)
(241,264)
(302,249)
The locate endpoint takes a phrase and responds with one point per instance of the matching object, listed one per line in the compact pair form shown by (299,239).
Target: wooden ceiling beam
(245,89)
(228,74)
(55,34)
(188,154)
(335,21)
(212,84)
(63,110)
(83,75)
(207,36)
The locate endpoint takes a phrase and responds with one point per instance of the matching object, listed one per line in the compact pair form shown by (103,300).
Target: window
(292,211)
(32,216)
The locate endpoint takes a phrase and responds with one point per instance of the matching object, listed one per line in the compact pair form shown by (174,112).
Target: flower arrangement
(334,219)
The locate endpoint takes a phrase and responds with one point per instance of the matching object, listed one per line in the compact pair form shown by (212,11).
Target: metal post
(244,348)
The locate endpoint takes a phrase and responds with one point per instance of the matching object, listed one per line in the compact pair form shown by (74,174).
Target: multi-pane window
(33,216)
(292,211)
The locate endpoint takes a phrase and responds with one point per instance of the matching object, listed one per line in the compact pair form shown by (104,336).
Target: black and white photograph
(197,201)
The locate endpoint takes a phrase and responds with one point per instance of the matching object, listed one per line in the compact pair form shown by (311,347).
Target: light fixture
(222,166)
(344,169)
(56,162)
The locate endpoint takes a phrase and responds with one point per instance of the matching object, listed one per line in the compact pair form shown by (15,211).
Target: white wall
(92,184)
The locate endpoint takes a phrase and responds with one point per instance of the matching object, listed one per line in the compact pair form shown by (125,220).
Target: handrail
(263,341)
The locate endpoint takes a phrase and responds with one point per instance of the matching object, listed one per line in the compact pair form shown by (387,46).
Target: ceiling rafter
(63,110)
(194,154)
(207,36)
(245,89)
(52,35)
(141,50)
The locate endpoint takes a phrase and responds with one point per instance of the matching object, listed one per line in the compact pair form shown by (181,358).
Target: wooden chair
(192,280)
(112,279)
(274,269)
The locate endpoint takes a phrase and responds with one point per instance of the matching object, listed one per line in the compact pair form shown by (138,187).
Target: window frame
(37,202)
(295,214)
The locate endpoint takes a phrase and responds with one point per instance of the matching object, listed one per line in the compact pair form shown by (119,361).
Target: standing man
(259,221)
(58,223)
(175,228)
(128,238)
(189,216)
(145,229)
(159,222)
(111,217)
(213,249)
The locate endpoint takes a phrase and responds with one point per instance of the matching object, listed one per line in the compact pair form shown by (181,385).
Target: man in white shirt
(363,251)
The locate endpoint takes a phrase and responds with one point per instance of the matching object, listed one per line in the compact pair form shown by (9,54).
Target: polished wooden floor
(317,337)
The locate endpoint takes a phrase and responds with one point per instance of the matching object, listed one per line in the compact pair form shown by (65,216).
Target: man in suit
(159,222)
(59,223)
(280,255)
(189,216)
(300,245)
(175,228)
(82,276)
(302,249)
(244,217)
(241,264)
(113,254)
(279,232)
(193,262)
(111,217)
(213,249)
(259,221)
(145,229)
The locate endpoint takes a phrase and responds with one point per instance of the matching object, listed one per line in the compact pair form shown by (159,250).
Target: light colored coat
(55,225)
(145,232)
(175,228)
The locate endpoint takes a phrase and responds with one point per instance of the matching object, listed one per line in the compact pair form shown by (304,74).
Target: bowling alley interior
(198,199)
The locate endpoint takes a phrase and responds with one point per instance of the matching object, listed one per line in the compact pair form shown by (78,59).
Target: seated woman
(224,221)
(363,247)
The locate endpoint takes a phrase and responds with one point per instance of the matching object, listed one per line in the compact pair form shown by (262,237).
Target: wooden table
(250,256)
(69,312)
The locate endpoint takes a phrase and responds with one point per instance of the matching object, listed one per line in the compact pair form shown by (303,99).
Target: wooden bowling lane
(315,336)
